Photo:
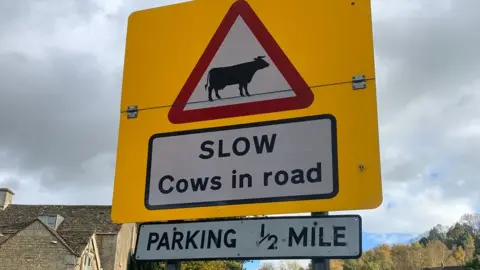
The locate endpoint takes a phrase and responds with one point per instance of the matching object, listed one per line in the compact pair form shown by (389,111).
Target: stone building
(76,237)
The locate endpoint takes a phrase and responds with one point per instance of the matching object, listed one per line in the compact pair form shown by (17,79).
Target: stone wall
(33,249)
(125,245)
(115,250)
(106,244)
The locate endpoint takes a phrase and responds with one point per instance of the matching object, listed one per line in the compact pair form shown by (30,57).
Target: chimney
(6,197)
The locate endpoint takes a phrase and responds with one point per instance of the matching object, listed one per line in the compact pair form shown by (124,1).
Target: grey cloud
(433,140)
(429,92)
(43,14)
(10,182)
(56,113)
(431,51)
(59,105)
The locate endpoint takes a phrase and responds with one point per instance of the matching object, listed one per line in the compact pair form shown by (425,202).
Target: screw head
(361,167)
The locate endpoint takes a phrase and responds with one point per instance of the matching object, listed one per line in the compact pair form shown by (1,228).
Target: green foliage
(457,235)
(212,265)
(473,263)
(190,265)
(353,264)
(472,220)
(144,265)
(437,233)
(423,241)
(441,245)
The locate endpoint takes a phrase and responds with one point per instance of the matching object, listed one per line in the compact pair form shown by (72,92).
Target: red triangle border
(304,96)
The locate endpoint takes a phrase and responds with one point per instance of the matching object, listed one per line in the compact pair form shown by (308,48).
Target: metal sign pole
(173,265)
(320,264)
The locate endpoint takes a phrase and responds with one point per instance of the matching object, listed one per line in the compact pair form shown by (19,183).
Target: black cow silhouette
(219,77)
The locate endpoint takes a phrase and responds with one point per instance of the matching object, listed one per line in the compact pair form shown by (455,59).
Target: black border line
(360,238)
(255,200)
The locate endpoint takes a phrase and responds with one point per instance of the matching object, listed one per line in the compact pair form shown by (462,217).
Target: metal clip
(359,82)
(132,111)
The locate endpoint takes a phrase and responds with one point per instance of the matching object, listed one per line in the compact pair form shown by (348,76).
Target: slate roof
(77,240)
(59,238)
(12,228)
(79,224)
(77,217)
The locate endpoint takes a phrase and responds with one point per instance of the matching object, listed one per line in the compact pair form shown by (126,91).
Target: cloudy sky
(60,78)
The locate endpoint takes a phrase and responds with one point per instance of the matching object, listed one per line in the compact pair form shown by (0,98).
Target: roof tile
(76,240)
(93,218)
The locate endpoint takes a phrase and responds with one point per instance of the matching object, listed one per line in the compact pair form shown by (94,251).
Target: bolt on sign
(247,107)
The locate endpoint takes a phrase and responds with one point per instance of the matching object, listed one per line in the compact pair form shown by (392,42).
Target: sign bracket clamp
(132,111)
(359,82)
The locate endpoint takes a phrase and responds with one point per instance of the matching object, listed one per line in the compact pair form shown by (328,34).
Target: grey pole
(320,264)
(172,265)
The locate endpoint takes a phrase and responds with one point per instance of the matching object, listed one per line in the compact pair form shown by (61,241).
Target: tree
(353,264)
(459,255)
(290,265)
(436,253)
(383,256)
(266,266)
(423,241)
(473,264)
(335,265)
(457,235)
(144,265)
(212,265)
(470,247)
(472,220)
(406,257)
(437,233)
(192,265)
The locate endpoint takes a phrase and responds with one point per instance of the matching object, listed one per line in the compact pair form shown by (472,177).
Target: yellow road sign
(237,108)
